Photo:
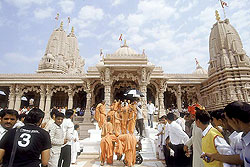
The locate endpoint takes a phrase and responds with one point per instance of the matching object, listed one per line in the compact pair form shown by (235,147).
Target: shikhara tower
(229,68)
(62,54)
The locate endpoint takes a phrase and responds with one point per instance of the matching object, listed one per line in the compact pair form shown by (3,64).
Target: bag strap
(13,152)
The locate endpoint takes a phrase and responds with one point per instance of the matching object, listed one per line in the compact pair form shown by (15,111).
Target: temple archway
(30,99)
(80,99)
(59,99)
(4,96)
(169,100)
(151,93)
(120,87)
(98,94)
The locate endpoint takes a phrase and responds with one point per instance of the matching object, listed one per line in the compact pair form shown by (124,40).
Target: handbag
(13,152)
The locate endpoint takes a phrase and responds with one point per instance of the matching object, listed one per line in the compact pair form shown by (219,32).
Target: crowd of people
(200,138)
(26,141)
(217,138)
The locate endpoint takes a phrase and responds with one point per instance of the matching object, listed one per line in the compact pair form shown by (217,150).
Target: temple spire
(72,30)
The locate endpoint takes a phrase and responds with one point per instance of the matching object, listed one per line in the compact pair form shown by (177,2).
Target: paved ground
(96,163)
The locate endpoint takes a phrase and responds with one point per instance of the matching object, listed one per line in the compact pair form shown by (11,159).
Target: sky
(172,32)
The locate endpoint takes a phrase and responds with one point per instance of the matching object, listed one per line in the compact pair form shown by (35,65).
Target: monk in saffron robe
(111,113)
(101,113)
(107,127)
(131,118)
(127,144)
(107,146)
(118,119)
(124,113)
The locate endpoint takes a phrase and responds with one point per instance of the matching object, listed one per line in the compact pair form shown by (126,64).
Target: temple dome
(199,70)
(125,50)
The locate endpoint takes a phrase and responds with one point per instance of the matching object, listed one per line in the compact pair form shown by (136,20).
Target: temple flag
(223,4)
(120,38)
(57,16)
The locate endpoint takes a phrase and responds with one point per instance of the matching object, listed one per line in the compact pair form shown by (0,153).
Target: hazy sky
(172,32)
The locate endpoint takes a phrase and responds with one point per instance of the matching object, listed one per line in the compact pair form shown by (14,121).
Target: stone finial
(143,51)
(217,15)
(125,43)
(61,25)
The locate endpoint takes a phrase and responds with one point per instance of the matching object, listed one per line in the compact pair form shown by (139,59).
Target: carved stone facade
(227,80)
(229,68)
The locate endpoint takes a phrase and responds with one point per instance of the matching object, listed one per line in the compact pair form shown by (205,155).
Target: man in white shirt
(8,120)
(195,141)
(177,138)
(139,118)
(68,129)
(57,139)
(181,121)
(212,140)
(151,110)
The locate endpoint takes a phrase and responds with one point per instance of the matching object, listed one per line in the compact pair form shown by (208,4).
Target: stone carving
(107,75)
(62,54)
(143,75)
(125,75)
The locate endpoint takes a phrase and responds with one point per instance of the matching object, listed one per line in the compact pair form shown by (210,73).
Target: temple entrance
(80,100)
(99,94)
(120,87)
(59,99)
(169,100)
(151,93)
(30,99)
(4,94)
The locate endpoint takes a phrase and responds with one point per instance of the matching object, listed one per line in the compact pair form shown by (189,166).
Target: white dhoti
(54,156)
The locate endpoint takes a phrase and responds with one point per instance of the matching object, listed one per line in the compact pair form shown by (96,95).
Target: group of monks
(118,127)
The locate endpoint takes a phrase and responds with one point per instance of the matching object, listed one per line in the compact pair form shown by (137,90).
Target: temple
(61,80)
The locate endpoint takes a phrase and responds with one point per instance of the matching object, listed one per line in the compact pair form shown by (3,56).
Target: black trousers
(169,160)
(65,156)
(140,126)
(180,159)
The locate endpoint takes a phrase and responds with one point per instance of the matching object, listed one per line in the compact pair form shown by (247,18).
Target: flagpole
(224,12)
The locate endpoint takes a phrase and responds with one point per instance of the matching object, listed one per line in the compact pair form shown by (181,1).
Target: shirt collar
(204,132)
(2,129)
(246,138)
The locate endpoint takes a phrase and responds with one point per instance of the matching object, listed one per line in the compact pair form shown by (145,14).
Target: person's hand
(208,157)
(185,148)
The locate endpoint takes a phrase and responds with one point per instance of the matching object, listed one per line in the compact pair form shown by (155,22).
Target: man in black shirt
(32,141)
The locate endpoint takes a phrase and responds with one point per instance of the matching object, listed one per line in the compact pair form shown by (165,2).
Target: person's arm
(224,149)
(230,159)
(2,152)
(45,157)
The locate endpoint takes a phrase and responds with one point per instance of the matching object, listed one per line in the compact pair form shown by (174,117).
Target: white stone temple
(61,81)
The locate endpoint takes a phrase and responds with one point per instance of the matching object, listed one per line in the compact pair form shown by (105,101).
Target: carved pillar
(198,94)
(88,104)
(161,103)
(48,101)
(143,89)
(42,97)
(18,98)
(107,89)
(178,98)
(71,95)
(87,115)
(11,97)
